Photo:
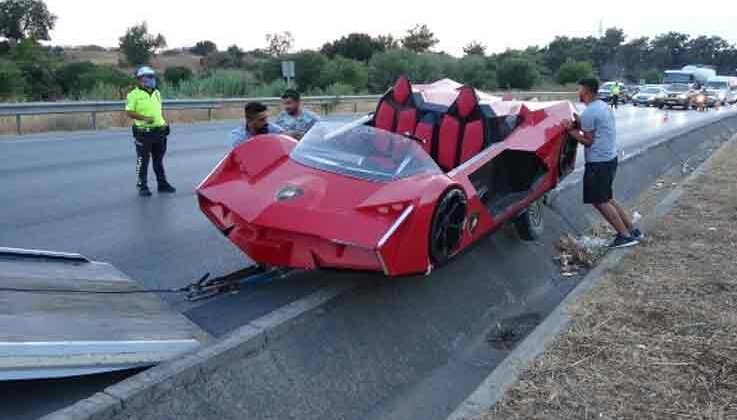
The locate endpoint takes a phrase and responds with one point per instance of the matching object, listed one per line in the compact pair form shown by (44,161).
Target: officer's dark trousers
(150,147)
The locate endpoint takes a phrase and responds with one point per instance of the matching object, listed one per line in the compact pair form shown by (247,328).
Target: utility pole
(601,28)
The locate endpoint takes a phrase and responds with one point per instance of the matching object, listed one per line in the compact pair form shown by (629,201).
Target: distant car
(649,96)
(679,95)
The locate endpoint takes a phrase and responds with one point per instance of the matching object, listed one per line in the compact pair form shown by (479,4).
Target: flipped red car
(402,191)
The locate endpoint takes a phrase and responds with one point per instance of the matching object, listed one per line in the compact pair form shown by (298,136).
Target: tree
(384,68)
(345,71)
(562,49)
(474,48)
(476,71)
(633,56)
(177,74)
(280,43)
(605,52)
(419,39)
(388,42)
(69,76)
(706,49)
(39,69)
(356,46)
(21,19)
(573,71)
(12,83)
(517,73)
(652,76)
(138,46)
(204,48)
(236,54)
(310,69)
(670,50)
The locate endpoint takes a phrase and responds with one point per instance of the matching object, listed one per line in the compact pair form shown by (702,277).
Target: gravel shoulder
(655,338)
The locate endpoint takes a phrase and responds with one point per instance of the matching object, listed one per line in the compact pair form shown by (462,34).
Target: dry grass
(113,58)
(657,338)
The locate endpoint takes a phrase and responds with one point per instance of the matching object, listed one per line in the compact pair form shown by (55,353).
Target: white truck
(692,75)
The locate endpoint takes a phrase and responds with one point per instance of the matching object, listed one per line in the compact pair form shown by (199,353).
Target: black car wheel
(447,226)
(530,224)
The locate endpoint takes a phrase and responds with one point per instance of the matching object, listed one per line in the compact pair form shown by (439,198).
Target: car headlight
(683,96)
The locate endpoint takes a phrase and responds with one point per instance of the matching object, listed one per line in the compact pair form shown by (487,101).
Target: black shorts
(598,181)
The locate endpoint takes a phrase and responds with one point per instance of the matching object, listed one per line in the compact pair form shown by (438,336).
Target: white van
(721,89)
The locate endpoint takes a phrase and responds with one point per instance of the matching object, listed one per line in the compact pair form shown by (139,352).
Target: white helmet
(145,71)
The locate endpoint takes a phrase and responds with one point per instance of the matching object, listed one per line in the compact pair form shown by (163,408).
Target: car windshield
(607,86)
(716,85)
(362,152)
(650,91)
(678,88)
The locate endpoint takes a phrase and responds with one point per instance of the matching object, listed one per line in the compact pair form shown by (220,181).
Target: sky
(497,24)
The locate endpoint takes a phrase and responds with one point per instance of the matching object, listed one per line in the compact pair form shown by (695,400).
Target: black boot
(143,191)
(165,187)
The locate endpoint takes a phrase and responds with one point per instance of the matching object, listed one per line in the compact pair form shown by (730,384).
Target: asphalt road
(76,192)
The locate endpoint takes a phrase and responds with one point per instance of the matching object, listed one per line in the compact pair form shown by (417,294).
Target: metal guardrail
(18,110)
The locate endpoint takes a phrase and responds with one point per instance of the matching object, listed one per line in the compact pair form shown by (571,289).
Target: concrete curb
(144,388)
(506,374)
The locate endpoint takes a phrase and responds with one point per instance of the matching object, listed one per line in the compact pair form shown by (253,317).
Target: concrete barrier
(417,336)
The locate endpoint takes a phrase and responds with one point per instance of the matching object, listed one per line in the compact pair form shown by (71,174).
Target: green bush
(573,71)
(477,71)
(342,72)
(310,68)
(176,75)
(69,75)
(385,67)
(223,84)
(517,73)
(12,83)
(652,77)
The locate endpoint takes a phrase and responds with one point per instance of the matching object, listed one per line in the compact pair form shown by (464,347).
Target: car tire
(448,223)
(531,224)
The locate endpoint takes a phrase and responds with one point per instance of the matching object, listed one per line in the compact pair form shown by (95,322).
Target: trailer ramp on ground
(64,315)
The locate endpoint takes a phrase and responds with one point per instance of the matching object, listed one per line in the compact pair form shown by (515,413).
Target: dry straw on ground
(657,338)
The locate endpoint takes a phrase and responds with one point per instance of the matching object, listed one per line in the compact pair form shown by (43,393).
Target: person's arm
(584,137)
(581,129)
(136,116)
(130,109)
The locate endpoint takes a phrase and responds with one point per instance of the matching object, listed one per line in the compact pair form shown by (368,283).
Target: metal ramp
(64,315)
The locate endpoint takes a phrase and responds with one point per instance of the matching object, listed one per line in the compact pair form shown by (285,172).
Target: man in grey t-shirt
(597,131)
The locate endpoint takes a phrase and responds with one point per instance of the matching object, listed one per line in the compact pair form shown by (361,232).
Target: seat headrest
(466,102)
(402,90)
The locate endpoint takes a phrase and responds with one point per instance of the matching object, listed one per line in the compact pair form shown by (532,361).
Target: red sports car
(432,171)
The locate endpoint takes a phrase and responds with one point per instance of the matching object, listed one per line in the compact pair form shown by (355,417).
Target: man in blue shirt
(294,120)
(257,122)
(597,131)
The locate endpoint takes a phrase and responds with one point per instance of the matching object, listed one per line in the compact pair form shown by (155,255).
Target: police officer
(150,130)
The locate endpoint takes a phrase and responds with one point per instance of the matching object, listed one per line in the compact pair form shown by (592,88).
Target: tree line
(354,63)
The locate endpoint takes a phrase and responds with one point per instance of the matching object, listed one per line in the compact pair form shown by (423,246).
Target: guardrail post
(94,120)
(209,114)
(18,124)
(355,107)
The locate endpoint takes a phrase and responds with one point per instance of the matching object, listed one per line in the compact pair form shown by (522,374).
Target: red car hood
(326,205)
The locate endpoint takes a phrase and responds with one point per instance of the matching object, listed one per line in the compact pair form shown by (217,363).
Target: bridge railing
(326,104)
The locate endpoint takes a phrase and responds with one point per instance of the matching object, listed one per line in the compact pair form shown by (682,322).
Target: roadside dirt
(657,337)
